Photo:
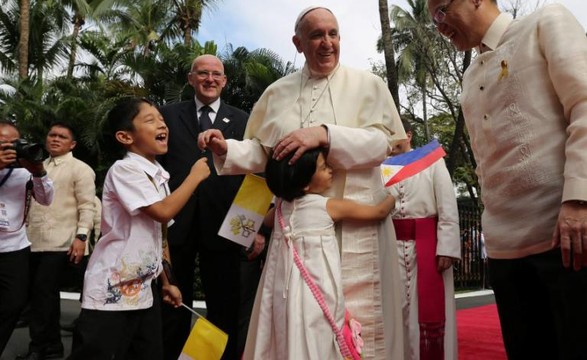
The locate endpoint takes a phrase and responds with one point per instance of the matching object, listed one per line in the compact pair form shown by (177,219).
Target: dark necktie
(205,121)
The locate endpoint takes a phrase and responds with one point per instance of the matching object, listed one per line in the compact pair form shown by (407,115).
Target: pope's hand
(213,140)
(300,141)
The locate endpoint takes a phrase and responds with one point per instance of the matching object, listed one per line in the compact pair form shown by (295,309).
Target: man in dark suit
(227,289)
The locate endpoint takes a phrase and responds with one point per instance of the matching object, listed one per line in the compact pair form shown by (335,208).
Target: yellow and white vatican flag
(206,341)
(245,216)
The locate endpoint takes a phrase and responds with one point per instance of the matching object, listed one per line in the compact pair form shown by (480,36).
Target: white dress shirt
(12,206)
(128,255)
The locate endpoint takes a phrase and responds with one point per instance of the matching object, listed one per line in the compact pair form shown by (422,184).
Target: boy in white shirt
(121,316)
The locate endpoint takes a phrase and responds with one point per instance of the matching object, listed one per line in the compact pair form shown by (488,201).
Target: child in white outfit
(121,316)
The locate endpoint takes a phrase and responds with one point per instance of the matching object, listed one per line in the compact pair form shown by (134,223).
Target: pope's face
(318,38)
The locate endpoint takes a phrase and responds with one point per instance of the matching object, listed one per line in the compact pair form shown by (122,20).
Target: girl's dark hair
(288,181)
(120,118)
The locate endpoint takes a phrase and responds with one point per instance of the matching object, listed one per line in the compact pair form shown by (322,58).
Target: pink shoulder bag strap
(315,290)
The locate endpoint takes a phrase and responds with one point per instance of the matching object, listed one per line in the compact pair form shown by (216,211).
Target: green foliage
(430,73)
(46,42)
(130,48)
(249,74)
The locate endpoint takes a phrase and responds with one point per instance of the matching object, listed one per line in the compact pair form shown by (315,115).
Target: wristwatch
(82,237)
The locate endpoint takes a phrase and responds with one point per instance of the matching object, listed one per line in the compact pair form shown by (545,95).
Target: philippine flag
(400,167)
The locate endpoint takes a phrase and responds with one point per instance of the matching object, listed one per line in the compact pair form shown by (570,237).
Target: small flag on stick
(403,166)
(245,216)
(206,341)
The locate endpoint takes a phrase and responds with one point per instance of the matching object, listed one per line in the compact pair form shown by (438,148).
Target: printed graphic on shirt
(4,223)
(130,283)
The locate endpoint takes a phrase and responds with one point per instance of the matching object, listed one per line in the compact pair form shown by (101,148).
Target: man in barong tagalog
(524,100)
(351,113)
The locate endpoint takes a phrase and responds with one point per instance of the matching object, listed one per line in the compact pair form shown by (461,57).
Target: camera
(29,151)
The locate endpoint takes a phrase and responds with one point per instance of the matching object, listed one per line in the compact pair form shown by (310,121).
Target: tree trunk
(388,53)
(78,22)
(187,36)
(425,112)
(23,41)
(461,144)
(451,161)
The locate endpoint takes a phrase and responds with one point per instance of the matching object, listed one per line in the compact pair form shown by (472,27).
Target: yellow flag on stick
(245,216)
(206,341)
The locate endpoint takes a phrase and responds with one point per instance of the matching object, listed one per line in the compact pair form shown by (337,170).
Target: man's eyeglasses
(440,13)
(203,74)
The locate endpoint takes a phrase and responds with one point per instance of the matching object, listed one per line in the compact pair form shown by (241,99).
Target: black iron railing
(471,271)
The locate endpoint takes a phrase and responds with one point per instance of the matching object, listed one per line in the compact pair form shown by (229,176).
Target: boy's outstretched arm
(342,209)
(163,211)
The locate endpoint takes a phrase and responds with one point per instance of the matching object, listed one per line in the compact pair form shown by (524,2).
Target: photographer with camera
(58,235)
(17,187)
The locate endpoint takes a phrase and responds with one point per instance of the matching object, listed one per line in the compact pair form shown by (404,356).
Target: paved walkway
(70,308)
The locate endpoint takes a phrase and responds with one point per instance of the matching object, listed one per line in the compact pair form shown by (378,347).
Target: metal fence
(471,271)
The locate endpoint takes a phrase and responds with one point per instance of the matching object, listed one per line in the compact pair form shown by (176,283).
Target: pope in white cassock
(351,113)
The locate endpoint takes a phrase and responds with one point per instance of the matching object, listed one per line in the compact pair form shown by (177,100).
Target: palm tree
(249,73)
(47,47)
(187,17)
(142,23)
(23,41)
(81,9)
(44,42)
(106,57)
(9,37)
(412,39)
(389,53)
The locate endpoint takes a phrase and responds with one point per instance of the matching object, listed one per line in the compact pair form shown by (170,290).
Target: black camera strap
(27,200)
(6,176)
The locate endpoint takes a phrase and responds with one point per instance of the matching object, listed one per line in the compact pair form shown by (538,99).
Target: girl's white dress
(287,322)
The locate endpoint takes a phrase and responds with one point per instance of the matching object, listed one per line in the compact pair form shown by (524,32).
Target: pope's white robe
(363,124)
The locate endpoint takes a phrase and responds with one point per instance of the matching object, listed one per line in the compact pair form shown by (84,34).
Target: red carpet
(479,334)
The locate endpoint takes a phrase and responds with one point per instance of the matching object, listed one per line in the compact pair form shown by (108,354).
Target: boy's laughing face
(150,134)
